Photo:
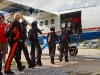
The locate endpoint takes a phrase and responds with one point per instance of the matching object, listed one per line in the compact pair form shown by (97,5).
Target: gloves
(59,41)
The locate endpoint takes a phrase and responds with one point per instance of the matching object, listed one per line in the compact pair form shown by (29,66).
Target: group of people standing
(16,41)
(64,44)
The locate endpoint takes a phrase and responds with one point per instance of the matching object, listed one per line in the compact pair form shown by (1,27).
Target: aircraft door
(72,22)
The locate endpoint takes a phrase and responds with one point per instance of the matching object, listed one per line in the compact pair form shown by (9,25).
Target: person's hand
(59,41)
(25,44)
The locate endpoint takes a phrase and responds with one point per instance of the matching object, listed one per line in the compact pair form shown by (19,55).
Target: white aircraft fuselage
(90,18)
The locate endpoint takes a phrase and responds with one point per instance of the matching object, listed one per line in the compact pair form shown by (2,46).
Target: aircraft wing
(12,7)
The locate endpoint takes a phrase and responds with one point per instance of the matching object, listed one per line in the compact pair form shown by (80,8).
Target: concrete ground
(86,59)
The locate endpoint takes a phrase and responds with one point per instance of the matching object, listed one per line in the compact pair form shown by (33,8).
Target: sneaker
(9,72)
(21,68)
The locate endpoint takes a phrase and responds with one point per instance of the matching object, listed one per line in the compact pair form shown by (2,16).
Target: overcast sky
(49,5)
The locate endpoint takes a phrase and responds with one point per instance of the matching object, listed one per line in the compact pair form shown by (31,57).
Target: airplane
(89,25)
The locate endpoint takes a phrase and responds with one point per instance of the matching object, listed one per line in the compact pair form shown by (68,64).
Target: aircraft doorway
(72,22)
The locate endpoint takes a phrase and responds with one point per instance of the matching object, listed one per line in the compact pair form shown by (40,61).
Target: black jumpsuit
(64,48)
(37,45)
(25,50)
(52,46)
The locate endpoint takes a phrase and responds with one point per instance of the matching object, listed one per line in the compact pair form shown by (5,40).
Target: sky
(52,5)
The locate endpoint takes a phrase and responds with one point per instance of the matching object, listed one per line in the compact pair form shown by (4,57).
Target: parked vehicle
(84,44)
(90,44)
(95,45)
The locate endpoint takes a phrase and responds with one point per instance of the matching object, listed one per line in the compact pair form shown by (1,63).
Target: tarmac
(86,59)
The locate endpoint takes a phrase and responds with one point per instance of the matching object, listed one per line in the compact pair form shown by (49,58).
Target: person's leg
(66,54)
(53,52)
(19,49)
(39,53)
(73,31)
(26,54)
(49,47)
(9,59)
(4,57)
(0,63)
(18,61)
(50,52)
(4,52)
(32,53)
(61,53)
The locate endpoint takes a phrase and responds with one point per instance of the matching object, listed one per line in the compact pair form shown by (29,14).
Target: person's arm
(25,33)
(47,36)
(68,37)
(20,31)
(60,39)
(39,30)
(56,37)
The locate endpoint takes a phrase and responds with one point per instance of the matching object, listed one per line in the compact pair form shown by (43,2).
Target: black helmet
(34,23)
(59,47)
(52,28)
(24,23)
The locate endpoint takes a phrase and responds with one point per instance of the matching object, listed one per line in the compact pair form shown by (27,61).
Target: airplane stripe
(84,29)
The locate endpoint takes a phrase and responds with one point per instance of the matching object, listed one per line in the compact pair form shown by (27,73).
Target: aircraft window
(41,23)
(52,21)
(46,22)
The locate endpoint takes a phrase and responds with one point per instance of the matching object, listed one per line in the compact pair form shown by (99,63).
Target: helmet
(24,23)
(59,47)
(52,28)
(69,23)
(34,23)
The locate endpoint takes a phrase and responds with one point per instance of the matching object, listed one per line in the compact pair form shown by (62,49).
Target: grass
(14,62)
(87,48)
(83,48)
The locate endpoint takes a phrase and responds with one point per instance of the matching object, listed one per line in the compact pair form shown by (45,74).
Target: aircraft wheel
(73,50)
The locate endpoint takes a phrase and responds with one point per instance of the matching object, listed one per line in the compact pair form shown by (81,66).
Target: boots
(66,59)
(52,59)
(39,60)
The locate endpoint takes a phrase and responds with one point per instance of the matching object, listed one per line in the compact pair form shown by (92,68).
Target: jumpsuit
(52,46)
(25,50)
(64,48)
(36,44)
(16,38)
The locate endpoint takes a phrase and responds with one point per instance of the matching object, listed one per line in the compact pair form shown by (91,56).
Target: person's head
(2,18)
(69,23)
(34,24)
(64,30)
(24,24)
(52,28)
(17,16)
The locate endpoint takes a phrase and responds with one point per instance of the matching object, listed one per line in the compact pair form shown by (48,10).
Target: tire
(73,50)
